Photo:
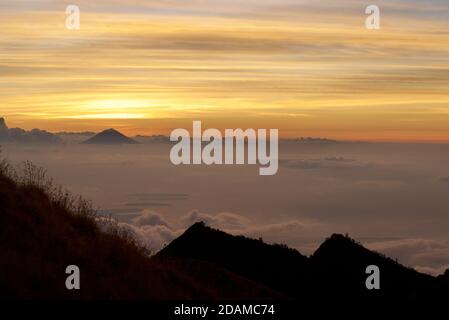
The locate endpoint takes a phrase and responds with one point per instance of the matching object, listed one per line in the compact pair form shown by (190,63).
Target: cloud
(224,220)
(145,200)
(400,195)
(154,237)
(153,230)
(149,218)
(426,255)
(208,58)
(333,162)
(19,135)
(238,224)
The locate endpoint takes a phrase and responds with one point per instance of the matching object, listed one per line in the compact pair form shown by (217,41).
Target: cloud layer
(150,228)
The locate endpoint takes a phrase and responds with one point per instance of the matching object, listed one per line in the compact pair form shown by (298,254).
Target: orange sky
(309,68)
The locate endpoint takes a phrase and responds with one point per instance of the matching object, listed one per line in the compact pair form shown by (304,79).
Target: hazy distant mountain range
(18,135)
(108,137)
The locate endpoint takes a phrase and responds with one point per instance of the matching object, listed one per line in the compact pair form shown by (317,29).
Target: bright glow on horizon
(123,116)
(305,68)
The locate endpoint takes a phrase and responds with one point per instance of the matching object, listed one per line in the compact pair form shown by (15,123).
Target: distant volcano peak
(3,125)
(110,136)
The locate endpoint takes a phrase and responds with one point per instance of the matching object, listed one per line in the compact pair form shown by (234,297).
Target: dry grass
(44,228)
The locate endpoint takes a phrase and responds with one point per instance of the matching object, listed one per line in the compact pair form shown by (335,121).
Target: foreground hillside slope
(39,238)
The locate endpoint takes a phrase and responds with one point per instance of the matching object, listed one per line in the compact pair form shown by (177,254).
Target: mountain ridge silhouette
(43,232)
(336,270)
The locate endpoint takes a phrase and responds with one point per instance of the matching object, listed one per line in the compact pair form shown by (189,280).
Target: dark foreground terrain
(43,230)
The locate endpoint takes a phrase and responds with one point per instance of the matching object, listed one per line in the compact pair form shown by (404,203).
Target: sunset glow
(305,68)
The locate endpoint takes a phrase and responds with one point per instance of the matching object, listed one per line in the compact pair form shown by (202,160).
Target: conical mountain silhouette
(341,264)
(110,136)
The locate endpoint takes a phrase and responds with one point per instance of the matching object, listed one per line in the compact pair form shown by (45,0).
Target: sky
(308,68)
